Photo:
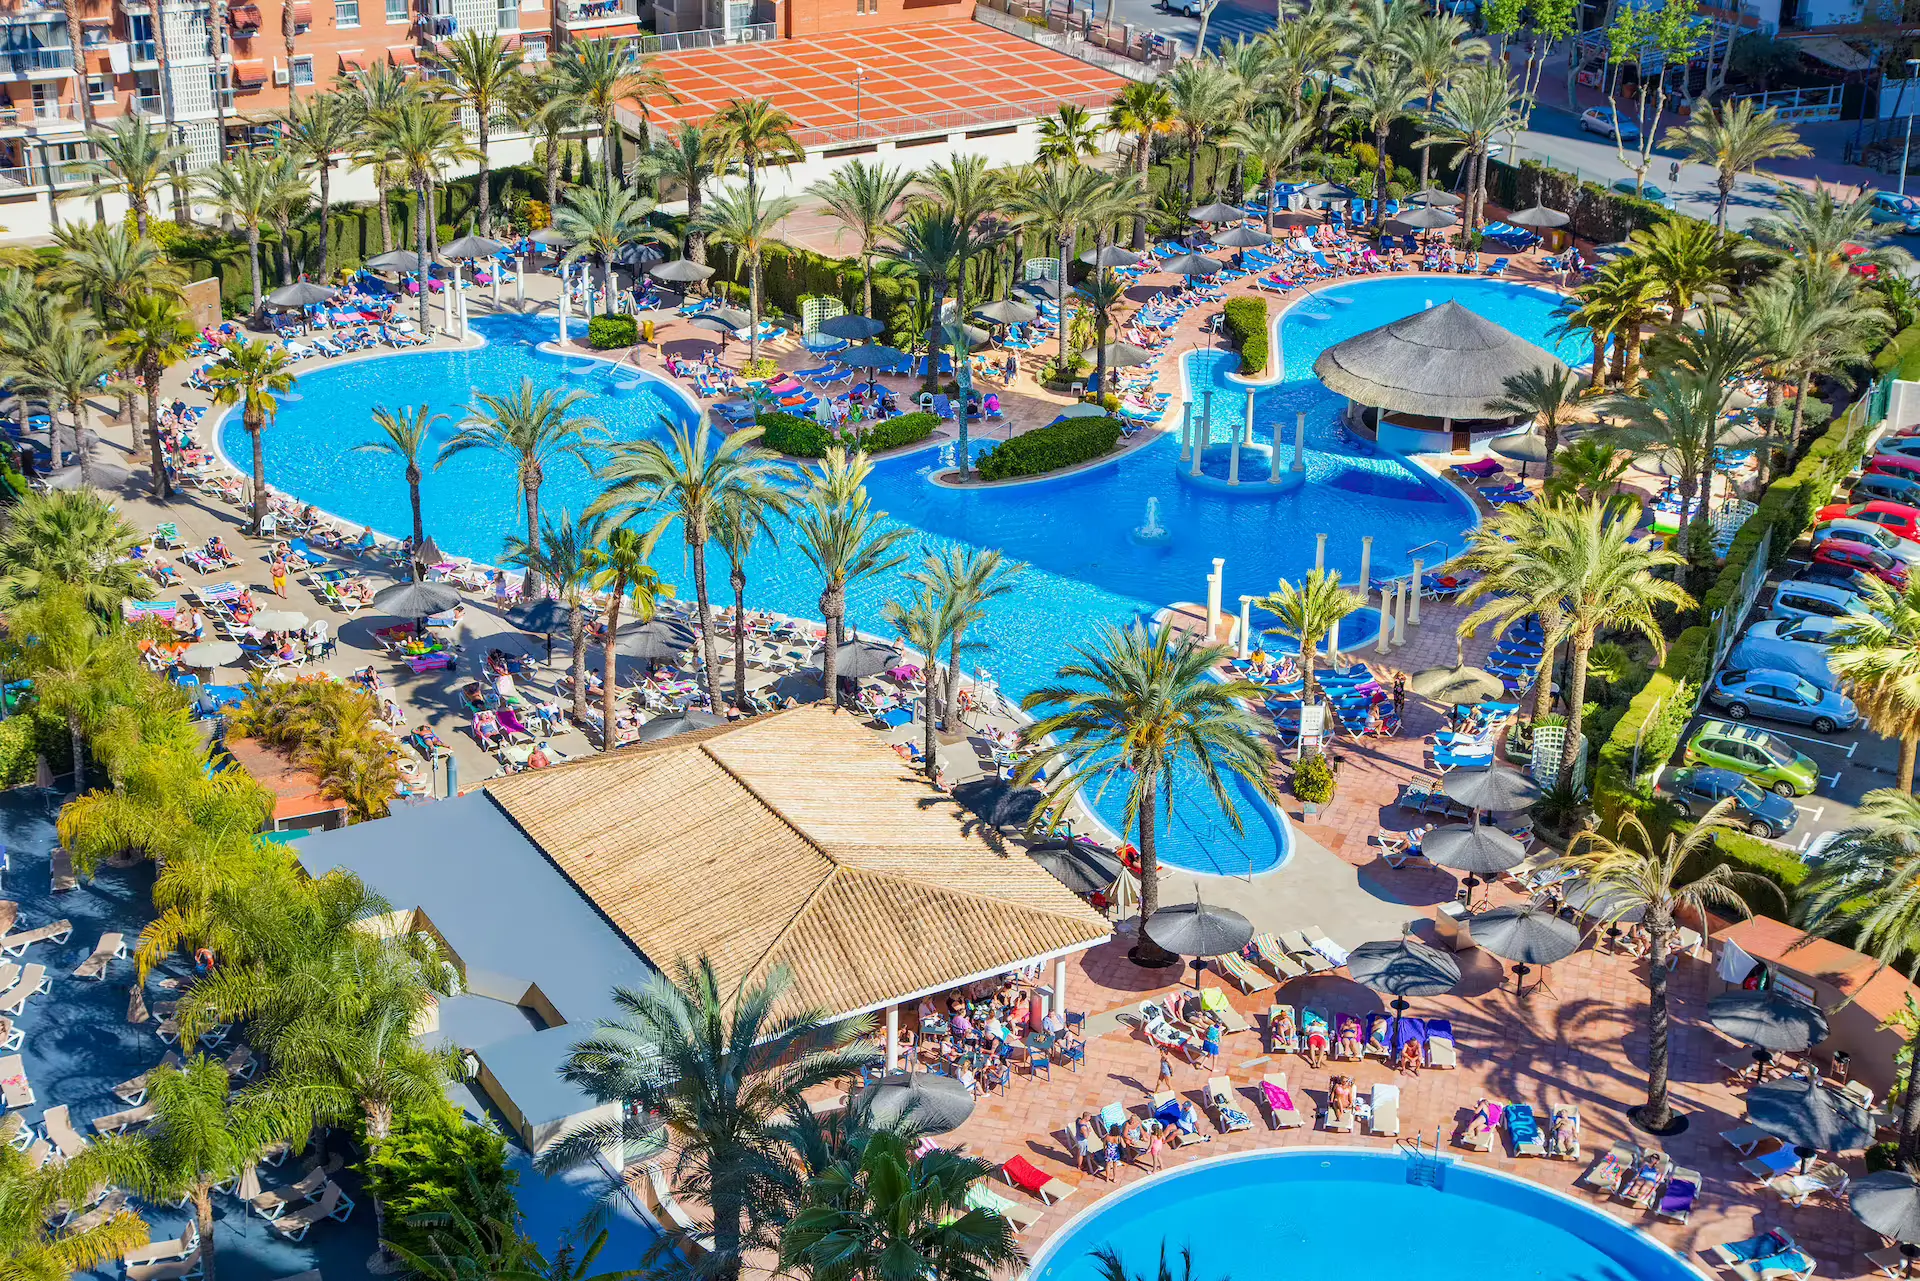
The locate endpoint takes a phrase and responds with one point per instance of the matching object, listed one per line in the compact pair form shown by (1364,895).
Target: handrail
(1431,542)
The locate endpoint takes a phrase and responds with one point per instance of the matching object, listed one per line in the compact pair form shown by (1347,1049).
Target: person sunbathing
(1347,1040)
(1566,1134)
(1482,1123)
(1645,1178)
(1340,1096)
(1190,1120)
(1281,1027)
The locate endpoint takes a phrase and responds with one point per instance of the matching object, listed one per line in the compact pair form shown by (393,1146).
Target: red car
(1843,554)
(1894,465)
(1898,517)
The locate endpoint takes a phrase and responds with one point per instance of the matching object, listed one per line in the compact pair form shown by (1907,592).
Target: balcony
(28,118)
(585,15)
(143,50)
(42,13)
(18,63)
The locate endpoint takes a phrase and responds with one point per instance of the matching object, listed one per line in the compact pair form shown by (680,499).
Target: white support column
(519,281)
(565,302)
(1366,562)
(1386,621)
(1300,441)
(1233,457)
(1202,437)
(893,1038)
(1249,435)
(1419,568)
(1186,432)
(1213,597)
(1333,645)
(1320,552)
(1060,986)
(1400,615)
(1246,627)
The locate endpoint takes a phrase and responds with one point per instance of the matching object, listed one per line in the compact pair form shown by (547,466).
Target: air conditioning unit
(282,77)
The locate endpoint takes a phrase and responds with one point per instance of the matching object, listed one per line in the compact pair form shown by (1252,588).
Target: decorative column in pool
(1186,432)
(1414,589)
(519,281)
(563,309)
(1319,553)
(1246,626)
(1386,620)
(1366,563)
(1213,596)
(1300,441)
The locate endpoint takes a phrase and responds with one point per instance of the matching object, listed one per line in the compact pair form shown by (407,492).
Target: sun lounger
(1644,1193)
(274,1202)
(1273,954)
(1676,1202)
(1247,978)
(1326,948)
(1379,1036)
(176,1270)
(1302,951)
(331,1204)
(1825,1177)
(115,1122)
(17,944)
(1034,1181)
(15,1092)
(1315,1031)
(112,947)
(1572,1150)
(1605,1174)
(1214,1001)
(979,1196)
(1385,1118)
(1277,1044)
(1227,1114)
(1772,1254)
(1282,1112)
(1769,1164)
(57,1125)
(33,981)
(158,1251)
(241,1065)
(1523,1130)
(1343,1124)
(1746,1139)
(1166,1110)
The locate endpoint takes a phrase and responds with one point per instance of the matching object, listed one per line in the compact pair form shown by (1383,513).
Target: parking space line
(1814,813)
(1831,780)
(1805,839)
(1817,742)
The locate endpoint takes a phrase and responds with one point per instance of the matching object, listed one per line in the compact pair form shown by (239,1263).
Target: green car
(1756,754)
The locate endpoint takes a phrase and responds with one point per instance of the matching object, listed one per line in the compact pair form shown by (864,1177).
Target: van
(1818,600)
(1808,661)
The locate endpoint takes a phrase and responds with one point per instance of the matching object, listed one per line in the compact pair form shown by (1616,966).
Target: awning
(244,16)
(249,71)
(402,55)
(302,13)
(353,59)
(1835,52)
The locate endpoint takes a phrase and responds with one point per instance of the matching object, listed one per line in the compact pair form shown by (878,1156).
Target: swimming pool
(1076,532)
(1352,1214)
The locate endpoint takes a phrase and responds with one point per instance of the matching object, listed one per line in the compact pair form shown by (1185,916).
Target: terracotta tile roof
(1855,974)
(297,792)
(799,840)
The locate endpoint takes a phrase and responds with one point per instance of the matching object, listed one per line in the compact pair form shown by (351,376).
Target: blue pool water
(1353,1215)
(1075,532)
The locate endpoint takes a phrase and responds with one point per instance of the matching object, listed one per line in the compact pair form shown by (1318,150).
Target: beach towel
(1113,1117)
(1414,1030)
(1522,1127)
(1379,1030)
(1277,1098)
(1678,1198)
(1315,1024)
(1168,1113)
(1232,1118)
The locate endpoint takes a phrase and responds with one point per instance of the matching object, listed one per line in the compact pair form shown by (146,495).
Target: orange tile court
(894,78)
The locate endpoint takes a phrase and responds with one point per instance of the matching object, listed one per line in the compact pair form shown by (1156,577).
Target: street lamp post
(1906,151)
(859,78)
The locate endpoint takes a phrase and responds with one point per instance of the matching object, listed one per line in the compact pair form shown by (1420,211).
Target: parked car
(1755,754)
(1753,653)
(1782,696)
(1809,630)
(1883,464)
(1802,599)
(1903,445)
(1609,123)
(1879,537)
(1851,555)
(1761,813)
(1897,489)
(1901,518)
(1645,191)
(1894,208)
(1847,580)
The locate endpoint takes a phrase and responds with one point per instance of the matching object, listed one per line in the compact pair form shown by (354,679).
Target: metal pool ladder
(1425,1166)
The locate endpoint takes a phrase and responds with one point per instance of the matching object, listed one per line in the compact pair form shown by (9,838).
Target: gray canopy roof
(1444,362)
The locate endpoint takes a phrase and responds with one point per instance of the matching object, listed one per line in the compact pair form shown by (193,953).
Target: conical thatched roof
(1444,362)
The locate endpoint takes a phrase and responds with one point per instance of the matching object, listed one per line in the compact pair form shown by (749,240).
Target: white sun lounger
(133,1093)
(57,1125)
(114,1122)
(15,1091)
(274,1202)
(331,1204)
(1280,1118)
(16,944)
(176,1270)
(156,1251)
(111,948)
(33,981)
(1386,1110)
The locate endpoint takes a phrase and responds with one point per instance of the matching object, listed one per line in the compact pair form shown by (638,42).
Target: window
(100,88)
(396,10)
(346,13)
(302,70)
(509,15)
(534,50)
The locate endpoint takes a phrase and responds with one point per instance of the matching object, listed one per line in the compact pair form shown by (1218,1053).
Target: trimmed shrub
(794,436)
(1245,324)
(1901,356)
(907,429)
(1313,780)
(27,735)
(1050,448)
(604,333)
(435,1161)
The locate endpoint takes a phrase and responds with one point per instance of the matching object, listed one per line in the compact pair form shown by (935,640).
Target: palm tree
(1688,260)
(1271,139)
(1547,396)
(881,1213)
(602,220)
(1057,202)
(535,431)
(154,333)
(291,197)
(1634,881)
(1436,47)
(1309,610)
(866,199)
(745,517)
(251,376)
(1589,468)
(318,129)
(421,138)
(687,478)
(80,671)
(1202,93)
(1877,653)
(1067,136)
(1820,228)
(404,435)
(243,189)
(480,70)
(71,540)
(1135,710)
(1614,306)
(1828,325)
(559,559)
(1475,109)
(719,1065)
(1862,894)
(76,364)
(1575,563)
(619,566)
(1678,414)
(596,76)
(108,267)
(1733,137)
(1102,294)
(37,1197)
(1380,95)
(130,158)
(1140,112)
(201,1136)
(757,134)
(845,539)
(924,624)
(745,221)
(688,157)
(960,581)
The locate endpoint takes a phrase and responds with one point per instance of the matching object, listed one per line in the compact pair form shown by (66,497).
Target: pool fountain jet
(1153,533)
(949,457)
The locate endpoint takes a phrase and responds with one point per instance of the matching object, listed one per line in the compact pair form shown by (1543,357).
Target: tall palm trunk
(385,189)
(203,1220)
(484,190)
(609,689)
(256,436)
(753,306)
(929,743)
(553,168)
(426,280)
(156,460)
(530,584)
(1658,1112)
(832,600)
(1143,166)
(1799,412)
(737,579)
(177,171)
(1146,951)
(698,546)
(577,633)
(962,367)
(697,241)
(1426,153)
(77,42)
(253,261)
(1576,700)
(1066,259)
(219,94)
(326,216)
(1193,166)
(413,499)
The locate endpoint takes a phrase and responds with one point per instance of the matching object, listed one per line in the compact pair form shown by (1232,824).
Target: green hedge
(907,429)
(1050,448)
(28,735)
(1599,213)
(1245,324)
(789,275)
(604,333)
(1901,356)
(793,435)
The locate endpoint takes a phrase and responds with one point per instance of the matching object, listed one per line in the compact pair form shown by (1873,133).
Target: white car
(1810,630)
(1609,123)
(1878,537)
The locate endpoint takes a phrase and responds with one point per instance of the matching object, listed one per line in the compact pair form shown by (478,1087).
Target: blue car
(1762,813)
(1782,696)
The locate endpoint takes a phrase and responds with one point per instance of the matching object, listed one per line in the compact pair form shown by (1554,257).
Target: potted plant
(1313,783)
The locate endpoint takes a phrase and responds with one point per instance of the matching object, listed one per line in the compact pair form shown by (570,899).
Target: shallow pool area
(1105,546)
(1355,1215)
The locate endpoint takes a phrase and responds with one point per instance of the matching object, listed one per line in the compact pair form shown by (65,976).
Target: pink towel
(1494,1112)
(1277,1099)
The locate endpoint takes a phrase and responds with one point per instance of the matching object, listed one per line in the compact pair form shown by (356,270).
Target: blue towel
(1521,1125)
(1168,1113)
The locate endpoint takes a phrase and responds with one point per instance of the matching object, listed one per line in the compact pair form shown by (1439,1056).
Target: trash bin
(646,332)
(1451,926)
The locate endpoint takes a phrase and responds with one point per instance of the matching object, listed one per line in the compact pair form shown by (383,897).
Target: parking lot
(1851,762)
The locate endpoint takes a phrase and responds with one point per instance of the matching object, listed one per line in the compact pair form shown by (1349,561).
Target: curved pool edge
(1056,1241)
